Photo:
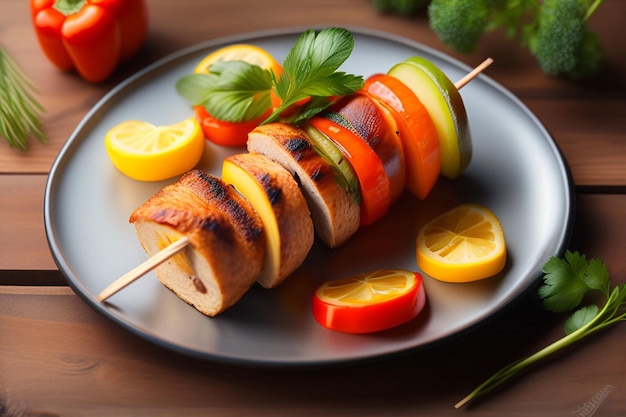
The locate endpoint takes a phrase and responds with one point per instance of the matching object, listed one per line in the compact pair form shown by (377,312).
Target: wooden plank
(583,116)
(23,243)
(600,230)
(63,359)
(591,133)
(60,358)
(598,161)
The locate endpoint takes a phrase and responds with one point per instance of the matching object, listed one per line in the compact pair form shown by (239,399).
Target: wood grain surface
(60,358)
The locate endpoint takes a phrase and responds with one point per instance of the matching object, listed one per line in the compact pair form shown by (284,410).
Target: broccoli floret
(459,23)
(403,7)
(555,31)
(563,41)
(590,57)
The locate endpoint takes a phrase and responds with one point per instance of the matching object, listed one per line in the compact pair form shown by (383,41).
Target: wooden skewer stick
(472,74)
(144,268)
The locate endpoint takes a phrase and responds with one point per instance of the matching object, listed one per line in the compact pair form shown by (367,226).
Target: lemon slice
(464,244)
(367,288)
(240,52)
(146,152)
(370,301)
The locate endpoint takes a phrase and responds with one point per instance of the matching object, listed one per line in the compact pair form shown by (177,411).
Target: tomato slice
(377,126)
(417,131)
(369,302)
(225,133)
(373,180)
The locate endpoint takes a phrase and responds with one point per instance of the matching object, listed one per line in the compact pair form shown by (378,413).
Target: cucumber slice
(345,174)
(445,106)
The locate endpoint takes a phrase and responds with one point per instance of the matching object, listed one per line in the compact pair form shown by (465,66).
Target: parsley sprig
(236,91)
(19,110)
(311,69)
(566,283)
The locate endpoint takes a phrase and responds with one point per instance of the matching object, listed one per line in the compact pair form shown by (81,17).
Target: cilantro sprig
(566,283)
(236,91)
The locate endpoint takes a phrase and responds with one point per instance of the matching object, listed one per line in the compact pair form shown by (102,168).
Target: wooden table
(60,358)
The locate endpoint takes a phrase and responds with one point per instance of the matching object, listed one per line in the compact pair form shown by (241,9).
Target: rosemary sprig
(19,110)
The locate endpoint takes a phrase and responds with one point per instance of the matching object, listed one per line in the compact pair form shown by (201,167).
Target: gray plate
(516,170)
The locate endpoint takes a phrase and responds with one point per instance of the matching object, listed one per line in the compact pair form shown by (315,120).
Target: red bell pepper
(373,180)
(90,36)
(343,306)
(417,131)
(226,133)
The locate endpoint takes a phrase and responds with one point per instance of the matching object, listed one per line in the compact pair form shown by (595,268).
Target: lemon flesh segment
(368,288)
(146,152)
(464,244)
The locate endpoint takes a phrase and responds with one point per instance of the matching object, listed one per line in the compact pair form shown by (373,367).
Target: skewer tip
(144,268)
(474,73)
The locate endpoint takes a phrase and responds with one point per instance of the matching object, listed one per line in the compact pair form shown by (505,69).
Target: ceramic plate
(515,171)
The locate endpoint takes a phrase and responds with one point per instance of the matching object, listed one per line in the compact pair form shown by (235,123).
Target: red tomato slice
(417,132)
(225,133)
(373,180)
(369,302)
(377,126)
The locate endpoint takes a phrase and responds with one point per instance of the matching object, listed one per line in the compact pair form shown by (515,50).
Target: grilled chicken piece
(334,210)
(276,197)
(227,247)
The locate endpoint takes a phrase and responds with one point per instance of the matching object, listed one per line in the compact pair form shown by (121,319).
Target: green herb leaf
(19,110)
(195,87)
(597,276)
(566,282)
(318,55)
(232,91)
(310,69)
(580,318)
(242,91)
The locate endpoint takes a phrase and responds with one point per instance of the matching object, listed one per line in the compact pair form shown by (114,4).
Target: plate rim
(117,92)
